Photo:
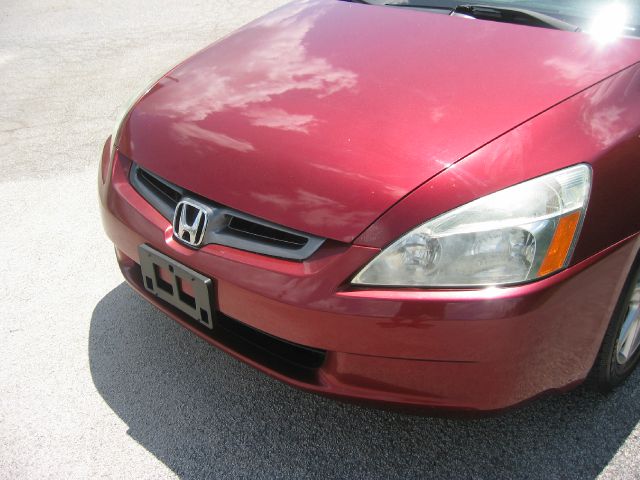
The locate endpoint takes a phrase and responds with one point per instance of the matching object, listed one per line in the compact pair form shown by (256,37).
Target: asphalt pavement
(94,382)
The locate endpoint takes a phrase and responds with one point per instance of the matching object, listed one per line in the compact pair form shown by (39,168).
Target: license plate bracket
(178,285)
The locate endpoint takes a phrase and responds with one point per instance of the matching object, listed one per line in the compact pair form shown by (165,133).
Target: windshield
(616,18)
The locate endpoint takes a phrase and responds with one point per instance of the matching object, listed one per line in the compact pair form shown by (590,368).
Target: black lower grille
(294,355)
(226,226)
(290,359)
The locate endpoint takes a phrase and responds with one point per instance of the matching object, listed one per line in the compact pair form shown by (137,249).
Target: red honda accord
(409,203)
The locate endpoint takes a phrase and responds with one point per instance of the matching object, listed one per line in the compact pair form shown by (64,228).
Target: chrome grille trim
(226,226)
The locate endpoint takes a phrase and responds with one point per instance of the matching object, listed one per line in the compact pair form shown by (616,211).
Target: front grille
(227,226)
(171,195)
(265,234)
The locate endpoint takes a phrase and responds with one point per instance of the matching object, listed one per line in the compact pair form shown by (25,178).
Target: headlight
(124,113)
(515,235)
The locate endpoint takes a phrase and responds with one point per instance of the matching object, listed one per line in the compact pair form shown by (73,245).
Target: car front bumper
(465,350)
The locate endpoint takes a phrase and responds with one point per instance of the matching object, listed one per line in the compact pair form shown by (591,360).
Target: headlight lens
(515,235)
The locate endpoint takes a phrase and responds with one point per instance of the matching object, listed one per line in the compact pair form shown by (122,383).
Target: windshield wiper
(411,5)
(518,16)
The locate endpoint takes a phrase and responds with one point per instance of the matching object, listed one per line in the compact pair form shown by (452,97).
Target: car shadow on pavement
(204,414)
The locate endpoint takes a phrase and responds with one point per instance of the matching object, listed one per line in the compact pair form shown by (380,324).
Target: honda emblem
(190,223)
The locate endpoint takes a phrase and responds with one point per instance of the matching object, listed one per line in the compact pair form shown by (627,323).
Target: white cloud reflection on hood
(274,61)
(280,119)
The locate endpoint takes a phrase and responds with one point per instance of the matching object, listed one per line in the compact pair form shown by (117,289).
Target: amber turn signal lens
(560,245)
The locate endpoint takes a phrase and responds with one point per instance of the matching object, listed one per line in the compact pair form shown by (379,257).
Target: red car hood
(323,114)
